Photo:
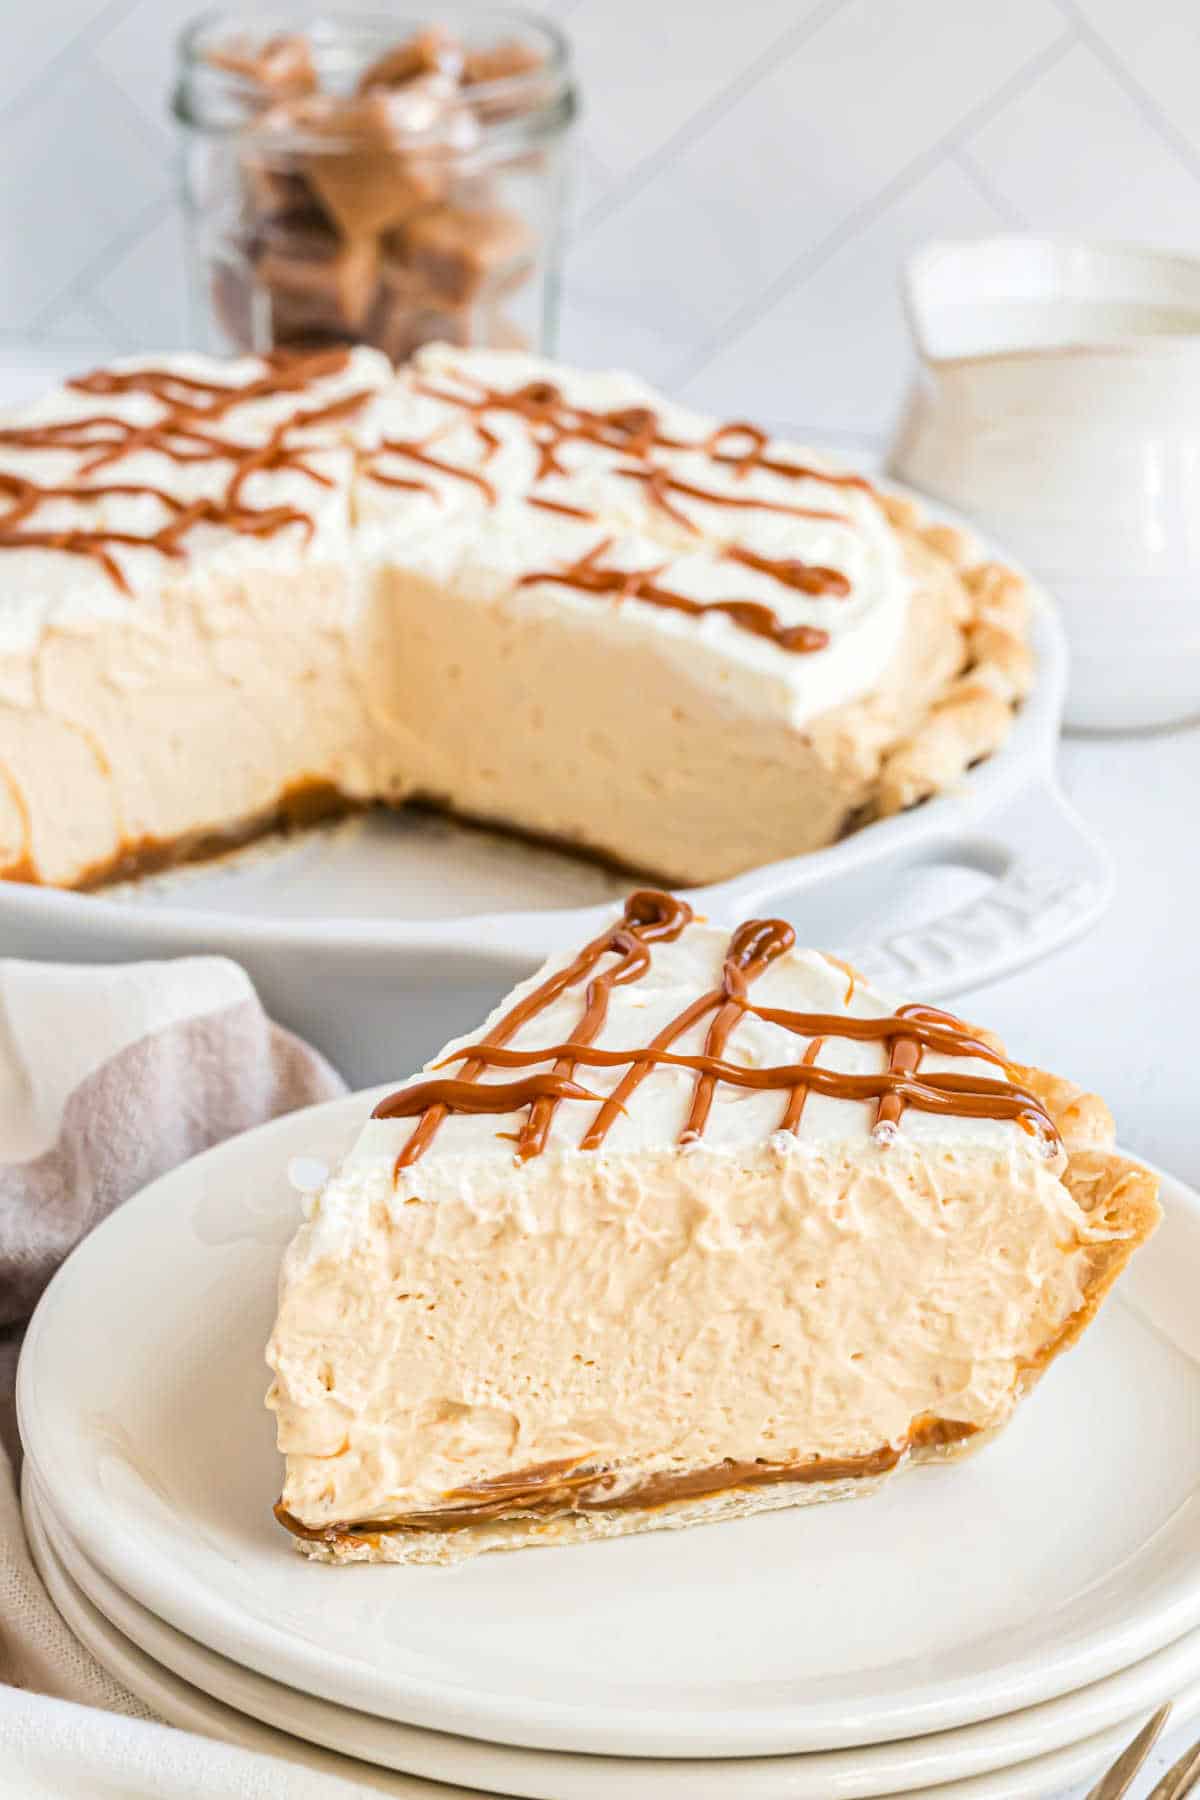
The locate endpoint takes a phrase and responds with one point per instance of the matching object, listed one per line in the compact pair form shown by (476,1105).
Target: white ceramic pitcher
(1058,405)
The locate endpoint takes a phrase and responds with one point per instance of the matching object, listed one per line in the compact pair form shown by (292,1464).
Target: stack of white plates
(992,1631)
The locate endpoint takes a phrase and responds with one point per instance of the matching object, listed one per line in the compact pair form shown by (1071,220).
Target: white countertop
(1115,1010)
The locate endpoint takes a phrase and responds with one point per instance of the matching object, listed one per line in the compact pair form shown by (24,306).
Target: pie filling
(520,588)
(689,1200)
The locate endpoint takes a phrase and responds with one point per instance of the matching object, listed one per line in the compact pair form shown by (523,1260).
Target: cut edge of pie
(943,698)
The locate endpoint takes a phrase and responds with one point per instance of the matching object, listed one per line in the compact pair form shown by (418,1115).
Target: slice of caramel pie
(697,1224)
(232,593)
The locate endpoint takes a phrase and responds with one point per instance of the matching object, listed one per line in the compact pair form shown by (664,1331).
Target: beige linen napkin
(109,1076)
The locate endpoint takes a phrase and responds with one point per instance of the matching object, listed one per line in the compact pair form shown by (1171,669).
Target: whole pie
(235,593)
(696,1224)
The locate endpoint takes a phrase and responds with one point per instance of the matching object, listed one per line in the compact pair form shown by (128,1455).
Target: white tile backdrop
(748,176)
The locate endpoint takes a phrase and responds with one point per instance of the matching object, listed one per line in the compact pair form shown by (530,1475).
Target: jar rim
(550,80)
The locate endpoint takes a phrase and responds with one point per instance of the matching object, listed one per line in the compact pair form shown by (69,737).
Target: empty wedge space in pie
(239,593)
(697,1224)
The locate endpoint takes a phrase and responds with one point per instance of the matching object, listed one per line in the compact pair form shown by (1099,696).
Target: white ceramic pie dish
(899,1766)
(382,937)
(956,1595)
(65,1767)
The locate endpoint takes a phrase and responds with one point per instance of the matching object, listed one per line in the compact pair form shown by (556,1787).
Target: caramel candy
(274,190)
(365,216)
(283,66)
(501,63)
(405,332)
(369,191)
(315,281)
(505,62)
(459,250)
(432,52)
(407,314)
(390,152)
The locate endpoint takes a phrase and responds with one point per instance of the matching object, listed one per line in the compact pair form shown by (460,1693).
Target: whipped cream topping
(146,456)
(470,1148)
(435,472)
(676,496)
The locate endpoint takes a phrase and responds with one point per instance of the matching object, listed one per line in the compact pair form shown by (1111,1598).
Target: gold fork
(1180,1779)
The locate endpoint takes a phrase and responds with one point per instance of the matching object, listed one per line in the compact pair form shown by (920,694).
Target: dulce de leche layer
(369,216)
(555,1490)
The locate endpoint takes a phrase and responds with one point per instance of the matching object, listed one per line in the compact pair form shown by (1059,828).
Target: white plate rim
(870,1772)
(201,1612)
(189,1707)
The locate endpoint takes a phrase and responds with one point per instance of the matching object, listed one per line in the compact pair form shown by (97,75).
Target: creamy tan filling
(657,1314)
(385,686)
(375,598)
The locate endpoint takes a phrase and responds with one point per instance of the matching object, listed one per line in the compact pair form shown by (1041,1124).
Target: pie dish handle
(1052,881)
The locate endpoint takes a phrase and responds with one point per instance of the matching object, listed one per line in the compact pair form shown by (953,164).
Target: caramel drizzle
(932,1030)
(896,1087)
(752,948)
(642,584)
(559,506)
(634,961)
(755,458)
(660,482)
(649,917)
(904,1059)
(182,435)
(286,374)
(794,1112)
(652,917)
(419,453)
(806,578)
(26,497)
(488,438)
(402,481)
(633,430)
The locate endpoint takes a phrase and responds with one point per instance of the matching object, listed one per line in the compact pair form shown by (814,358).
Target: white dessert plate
(875,1769)
(1067,1551)
(334,925)
(181,1704)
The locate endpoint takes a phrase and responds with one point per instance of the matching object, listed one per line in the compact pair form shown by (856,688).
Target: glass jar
(373,179)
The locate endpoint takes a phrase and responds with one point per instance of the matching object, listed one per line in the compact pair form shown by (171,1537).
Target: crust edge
(1118,1195)
(529,1532)
(972,715)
